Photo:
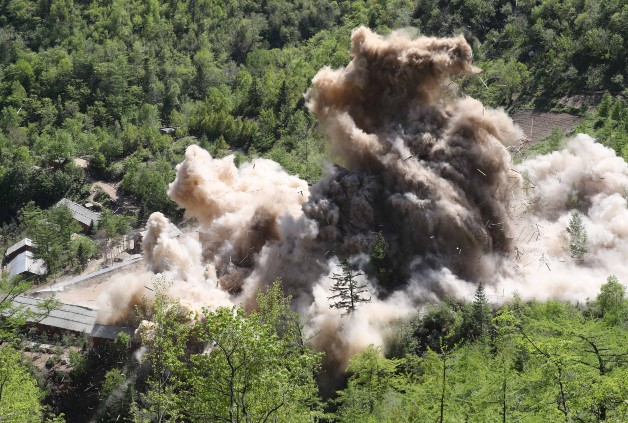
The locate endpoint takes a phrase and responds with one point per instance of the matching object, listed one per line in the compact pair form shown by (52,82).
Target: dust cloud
(583,176)
(427,171)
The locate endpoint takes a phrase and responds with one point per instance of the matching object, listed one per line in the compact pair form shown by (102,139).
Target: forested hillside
(98,80)
(114,92)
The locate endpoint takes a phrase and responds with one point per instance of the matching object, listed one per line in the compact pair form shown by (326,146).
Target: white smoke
(584,176)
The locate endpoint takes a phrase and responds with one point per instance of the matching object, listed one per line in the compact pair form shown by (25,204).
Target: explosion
(426,171)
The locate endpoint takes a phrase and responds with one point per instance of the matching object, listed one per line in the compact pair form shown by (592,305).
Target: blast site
(435,173)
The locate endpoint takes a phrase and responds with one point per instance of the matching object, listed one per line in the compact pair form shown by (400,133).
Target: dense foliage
(541,50)
(20,394)
(609,124)
(98,80)
(534,362)
(224,366)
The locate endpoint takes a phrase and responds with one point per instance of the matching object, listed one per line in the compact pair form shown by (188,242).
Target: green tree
(274,309)
(611,301)
(51,232)
(148,184)
(604,353)
(371,377)
(82,249)
(504,381)
(167,339)
(116,396)
(247,375)
(578,242)
(574,364)
(13,317)
(115,224)
(435,393)
(604,108)
(349,290)
(19,393)
(441,322)
(228,365)
(481,315)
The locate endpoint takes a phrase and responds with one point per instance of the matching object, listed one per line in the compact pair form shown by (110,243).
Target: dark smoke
(433,176)
(427,171)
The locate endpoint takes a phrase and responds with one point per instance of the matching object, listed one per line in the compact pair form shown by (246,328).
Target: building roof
(167,130)
(173,231)
(80,213)
(67,316)
(26,242)
(72,317)
(68,283)
(109,331)
(26,263)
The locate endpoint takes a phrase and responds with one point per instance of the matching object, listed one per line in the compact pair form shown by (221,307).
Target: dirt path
(111,190)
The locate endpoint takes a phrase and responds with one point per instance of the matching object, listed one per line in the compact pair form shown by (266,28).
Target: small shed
(24,264)
(84,216)
(20,260)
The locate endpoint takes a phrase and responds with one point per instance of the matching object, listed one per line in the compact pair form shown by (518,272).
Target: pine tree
(349,291)
(577,237)
(282,105)
(617,110)
(379,252)
(611,301)
(481,313)
(604,108)
(254,98)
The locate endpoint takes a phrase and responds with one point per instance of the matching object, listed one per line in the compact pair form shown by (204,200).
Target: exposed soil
(538,126)
(82,163)
(46,357)
(582,101)
(110,190)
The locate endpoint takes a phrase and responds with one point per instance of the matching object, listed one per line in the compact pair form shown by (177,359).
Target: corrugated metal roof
(60,286)
(24,262)
(72,317)
(25,242)
(67,316)
(109,332)
(80,213)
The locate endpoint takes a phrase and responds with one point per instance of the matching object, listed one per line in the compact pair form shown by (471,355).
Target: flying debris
(459,214)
